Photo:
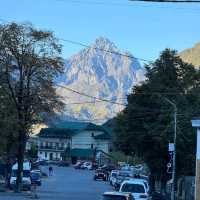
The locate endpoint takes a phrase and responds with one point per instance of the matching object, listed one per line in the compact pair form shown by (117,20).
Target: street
(66,183)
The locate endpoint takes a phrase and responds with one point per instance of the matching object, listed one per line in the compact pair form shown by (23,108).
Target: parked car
(146,184)
(117,196)
(26,179)
(119,180)
(86,165)
(136,187)
(122,176)
(36,178)
(63,164)
(2,183)
(108,168)
(44,174)
(78,165)
(113,176)
(100,174)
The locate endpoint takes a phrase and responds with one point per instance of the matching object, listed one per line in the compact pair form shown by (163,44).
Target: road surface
(66,184)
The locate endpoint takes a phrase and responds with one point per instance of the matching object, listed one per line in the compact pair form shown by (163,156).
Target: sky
(144,29)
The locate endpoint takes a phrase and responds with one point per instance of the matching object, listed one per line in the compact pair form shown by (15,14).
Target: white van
(26,179)
(136,187)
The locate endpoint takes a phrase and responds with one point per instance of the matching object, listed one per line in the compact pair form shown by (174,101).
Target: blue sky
(141,28)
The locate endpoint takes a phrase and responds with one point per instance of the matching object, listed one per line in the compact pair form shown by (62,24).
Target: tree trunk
(8,163)
(20,160)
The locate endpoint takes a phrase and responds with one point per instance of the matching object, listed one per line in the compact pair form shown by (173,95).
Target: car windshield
(125,174)
(120,177)
(113,197)
(26,173)
(35,175)
(114,174)
(134,188)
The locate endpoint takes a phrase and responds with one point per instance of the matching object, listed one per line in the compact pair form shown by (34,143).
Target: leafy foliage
(8,125)
(29,64)
(145,127)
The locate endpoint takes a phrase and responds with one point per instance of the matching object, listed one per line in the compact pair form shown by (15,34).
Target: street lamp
(196,124)
(174,157)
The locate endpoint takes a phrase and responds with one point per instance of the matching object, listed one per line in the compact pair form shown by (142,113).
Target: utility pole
(196,124)
(174,156)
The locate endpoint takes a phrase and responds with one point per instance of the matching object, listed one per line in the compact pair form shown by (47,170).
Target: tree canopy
(145,126)
(29,64)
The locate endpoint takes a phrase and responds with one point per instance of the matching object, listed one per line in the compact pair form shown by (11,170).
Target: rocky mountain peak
(101,74)
(104,43)
(192,55)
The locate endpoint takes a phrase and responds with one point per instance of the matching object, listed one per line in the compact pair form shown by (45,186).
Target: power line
(167,1)
(107,51)
(100,49)
(111,101)
(94,2)
(84,102)
(89,96)
(103,3)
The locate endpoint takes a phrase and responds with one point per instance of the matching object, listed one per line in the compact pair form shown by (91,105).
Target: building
(73,139)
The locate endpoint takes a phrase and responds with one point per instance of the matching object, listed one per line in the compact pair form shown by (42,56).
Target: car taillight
(143,196)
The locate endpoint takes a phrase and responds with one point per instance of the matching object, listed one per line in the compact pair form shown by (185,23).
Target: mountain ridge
(97,72)
(192,55)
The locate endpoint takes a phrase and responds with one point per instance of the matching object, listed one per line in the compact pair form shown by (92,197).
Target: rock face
(101,74)
(192,55)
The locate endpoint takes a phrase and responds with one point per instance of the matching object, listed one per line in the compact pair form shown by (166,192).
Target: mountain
(101,74)
(192,55)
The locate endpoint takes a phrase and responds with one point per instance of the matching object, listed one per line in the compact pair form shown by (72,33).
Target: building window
(45,154)
(92,146)
(92,135)
(40,152)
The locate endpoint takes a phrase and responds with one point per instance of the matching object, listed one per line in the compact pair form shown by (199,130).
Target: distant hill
(192,55)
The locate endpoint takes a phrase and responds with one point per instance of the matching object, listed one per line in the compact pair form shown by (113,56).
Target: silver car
(117,196)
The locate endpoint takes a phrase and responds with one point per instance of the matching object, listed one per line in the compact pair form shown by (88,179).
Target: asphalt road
(66,184)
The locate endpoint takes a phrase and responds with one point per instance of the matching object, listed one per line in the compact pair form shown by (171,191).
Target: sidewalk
(10,195)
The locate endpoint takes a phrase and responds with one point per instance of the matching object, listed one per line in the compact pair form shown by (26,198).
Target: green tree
(145,126)
(29,63)
(8,125)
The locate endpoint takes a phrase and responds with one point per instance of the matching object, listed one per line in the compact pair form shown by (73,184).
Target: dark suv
(100,174)
(36,178)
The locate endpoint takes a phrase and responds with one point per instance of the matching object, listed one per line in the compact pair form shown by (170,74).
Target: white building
(74,139)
